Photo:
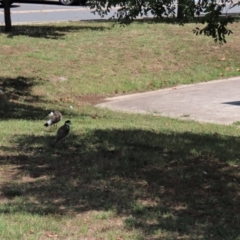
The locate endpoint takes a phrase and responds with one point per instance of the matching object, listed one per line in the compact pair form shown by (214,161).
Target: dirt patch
(90,99)
(9,50)
(7,172)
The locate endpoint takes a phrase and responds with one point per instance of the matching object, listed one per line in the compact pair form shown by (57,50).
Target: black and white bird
(63,131)
(55,117)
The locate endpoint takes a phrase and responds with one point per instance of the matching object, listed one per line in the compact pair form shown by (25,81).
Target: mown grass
(117,176)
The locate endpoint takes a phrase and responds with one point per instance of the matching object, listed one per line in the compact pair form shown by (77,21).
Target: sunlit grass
(117,176)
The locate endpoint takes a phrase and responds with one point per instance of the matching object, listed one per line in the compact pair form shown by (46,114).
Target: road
(54,12)
(48,12)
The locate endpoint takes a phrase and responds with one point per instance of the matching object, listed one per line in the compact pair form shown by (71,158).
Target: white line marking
(53,10)
(46,11)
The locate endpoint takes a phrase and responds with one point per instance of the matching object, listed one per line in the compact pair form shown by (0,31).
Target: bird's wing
(62,133)
(54,119)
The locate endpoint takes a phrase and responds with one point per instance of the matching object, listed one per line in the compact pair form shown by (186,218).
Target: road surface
(36,12)
(48,12)
(214,102)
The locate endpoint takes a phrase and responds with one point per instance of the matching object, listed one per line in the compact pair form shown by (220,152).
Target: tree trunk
(7,15)
(180,14)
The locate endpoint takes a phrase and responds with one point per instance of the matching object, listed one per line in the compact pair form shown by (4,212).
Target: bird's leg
(51,128)
(48,129)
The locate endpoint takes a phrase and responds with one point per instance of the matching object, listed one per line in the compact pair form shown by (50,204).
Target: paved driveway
(215,102)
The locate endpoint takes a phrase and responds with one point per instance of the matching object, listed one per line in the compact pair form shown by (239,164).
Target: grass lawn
(118,176)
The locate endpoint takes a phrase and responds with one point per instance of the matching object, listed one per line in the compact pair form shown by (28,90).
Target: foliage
(211,12)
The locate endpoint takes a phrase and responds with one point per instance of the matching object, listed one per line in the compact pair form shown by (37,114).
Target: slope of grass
(117,176)
(97,59)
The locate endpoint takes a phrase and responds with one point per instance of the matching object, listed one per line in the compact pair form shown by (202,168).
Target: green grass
(117,176)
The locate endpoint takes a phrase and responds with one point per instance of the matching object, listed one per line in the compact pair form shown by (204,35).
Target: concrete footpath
(214,101)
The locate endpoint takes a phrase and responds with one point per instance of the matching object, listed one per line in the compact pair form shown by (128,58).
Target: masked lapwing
(63,131)
(55,117)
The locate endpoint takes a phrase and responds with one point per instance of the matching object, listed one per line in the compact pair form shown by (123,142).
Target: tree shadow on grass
(48,31)
(164,20)
(17,100)
(58,32)
(177,183)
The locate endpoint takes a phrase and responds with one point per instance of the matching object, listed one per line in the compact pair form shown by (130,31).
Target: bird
(63,131)
(55,117)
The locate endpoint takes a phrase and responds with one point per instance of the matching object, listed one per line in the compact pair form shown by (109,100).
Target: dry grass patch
(140,57)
